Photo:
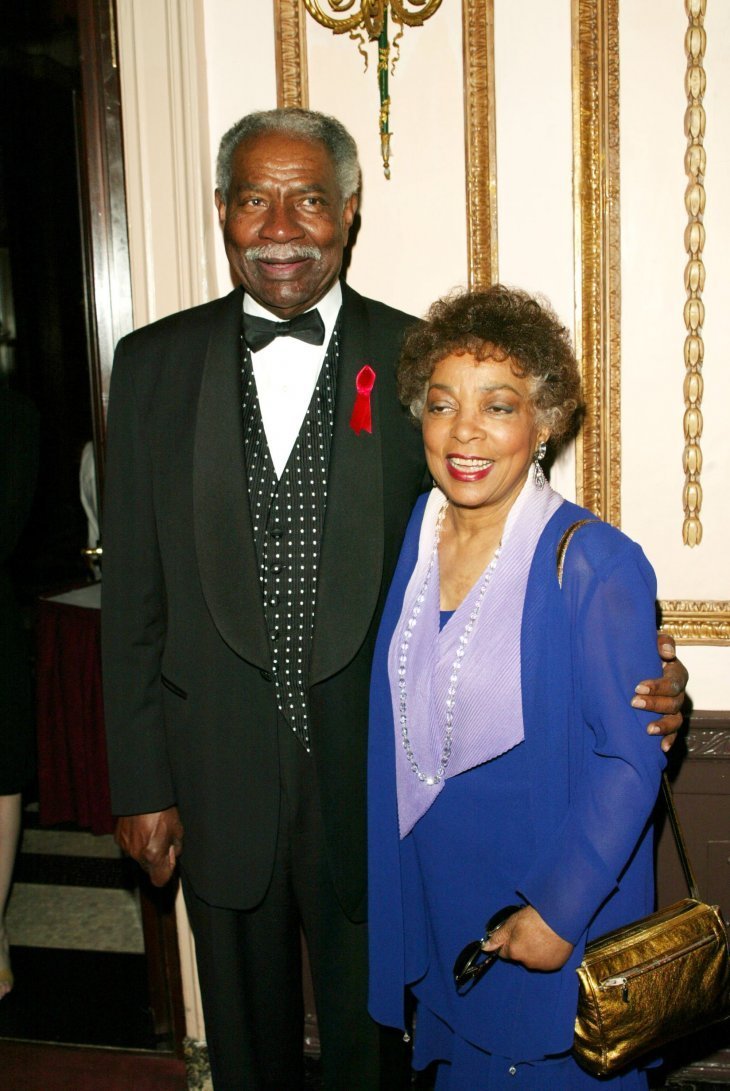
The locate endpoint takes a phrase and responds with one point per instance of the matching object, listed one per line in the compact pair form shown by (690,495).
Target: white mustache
(272,252)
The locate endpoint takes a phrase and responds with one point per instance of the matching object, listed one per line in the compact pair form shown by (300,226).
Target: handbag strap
(687,869)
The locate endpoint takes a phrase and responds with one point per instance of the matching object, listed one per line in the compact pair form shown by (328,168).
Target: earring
(537,459)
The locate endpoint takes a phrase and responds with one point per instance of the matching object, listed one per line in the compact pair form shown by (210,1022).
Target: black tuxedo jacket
(190,707)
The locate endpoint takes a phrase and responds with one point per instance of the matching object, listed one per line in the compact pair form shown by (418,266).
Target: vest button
(274,634)
(265,675)
(277,568)
(276,531)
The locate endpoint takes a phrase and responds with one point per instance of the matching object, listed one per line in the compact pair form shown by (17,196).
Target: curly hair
(498,323)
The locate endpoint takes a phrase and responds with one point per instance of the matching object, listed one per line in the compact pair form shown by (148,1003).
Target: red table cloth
(73,778)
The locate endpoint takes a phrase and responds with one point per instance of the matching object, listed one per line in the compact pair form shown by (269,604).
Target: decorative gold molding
(597,251)
(292,79)
(695,42)
(480,141)
(697,622)
(479,117)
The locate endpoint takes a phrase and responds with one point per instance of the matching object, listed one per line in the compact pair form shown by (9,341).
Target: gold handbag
(657,979)
(653,981)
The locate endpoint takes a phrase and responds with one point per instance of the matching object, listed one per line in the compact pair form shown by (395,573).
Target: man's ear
(348,214)
(220,204)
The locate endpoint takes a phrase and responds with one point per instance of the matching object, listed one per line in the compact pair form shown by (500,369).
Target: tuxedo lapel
(351,561)
(223,532)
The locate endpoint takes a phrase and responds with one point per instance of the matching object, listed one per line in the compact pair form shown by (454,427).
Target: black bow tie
(260,332)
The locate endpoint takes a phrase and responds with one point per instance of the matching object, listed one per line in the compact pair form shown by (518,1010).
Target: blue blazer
(587,778)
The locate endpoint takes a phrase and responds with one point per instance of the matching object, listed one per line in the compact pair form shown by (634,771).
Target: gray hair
(293,121)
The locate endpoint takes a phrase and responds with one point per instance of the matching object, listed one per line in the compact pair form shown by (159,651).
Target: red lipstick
(468,467)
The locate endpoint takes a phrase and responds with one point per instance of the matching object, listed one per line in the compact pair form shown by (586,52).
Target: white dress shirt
(286,373)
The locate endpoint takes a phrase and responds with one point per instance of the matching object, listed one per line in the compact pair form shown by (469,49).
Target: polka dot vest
(288,517)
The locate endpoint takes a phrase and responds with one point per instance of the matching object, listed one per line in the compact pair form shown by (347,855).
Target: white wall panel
(535,160)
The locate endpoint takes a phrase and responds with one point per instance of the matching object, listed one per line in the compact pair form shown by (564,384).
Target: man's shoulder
(379,312)
(391,314)
(183,324)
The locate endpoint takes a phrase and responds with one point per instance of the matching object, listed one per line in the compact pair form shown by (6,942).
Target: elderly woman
(509,777)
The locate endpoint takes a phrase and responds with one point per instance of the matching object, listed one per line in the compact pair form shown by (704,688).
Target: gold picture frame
(292,82)
(597,252)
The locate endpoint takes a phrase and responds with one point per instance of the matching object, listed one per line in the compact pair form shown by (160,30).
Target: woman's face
(479,431)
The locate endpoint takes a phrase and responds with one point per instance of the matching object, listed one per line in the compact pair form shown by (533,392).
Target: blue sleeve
(619,765)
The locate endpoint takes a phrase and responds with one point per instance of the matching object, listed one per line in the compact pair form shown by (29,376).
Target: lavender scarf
(488,702)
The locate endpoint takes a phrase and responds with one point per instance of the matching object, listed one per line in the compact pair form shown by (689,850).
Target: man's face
(284,222)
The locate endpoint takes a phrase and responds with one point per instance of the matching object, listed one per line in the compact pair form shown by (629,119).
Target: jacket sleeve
(133,607)
(611,599)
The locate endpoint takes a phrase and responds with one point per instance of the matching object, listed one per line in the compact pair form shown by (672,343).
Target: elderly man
(260,475)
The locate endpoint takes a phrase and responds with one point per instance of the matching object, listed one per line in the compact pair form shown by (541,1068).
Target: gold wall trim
(597,251)
(697,622)
(292,79)
(479,117)
(695,162)
(480,142)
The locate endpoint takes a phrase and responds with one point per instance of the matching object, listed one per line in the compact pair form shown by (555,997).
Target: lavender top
(487,713)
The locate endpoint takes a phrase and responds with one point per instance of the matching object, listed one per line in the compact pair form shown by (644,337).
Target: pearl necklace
(438,776)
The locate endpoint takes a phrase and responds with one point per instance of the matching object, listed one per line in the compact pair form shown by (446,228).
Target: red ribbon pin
(361,419)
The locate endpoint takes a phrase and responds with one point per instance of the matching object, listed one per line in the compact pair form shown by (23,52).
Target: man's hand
(153,840)
(526,938)
(666,694)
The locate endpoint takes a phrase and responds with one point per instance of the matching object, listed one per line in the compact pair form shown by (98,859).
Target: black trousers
(249,965)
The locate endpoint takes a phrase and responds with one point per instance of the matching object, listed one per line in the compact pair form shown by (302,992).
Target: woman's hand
(526,938)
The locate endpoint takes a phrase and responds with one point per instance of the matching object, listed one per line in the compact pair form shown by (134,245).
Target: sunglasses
(472,964)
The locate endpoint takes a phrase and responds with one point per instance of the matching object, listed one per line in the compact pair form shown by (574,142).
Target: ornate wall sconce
(372,21)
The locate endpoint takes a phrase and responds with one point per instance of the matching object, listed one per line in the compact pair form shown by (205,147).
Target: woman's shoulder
(586,545)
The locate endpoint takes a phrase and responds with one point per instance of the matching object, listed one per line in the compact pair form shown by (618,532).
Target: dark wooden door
(65,279)
(108,310)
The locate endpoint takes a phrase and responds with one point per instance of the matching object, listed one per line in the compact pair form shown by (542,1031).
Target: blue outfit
(561,821)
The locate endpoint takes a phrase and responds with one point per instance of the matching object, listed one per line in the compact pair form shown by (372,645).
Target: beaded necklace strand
(440,772)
